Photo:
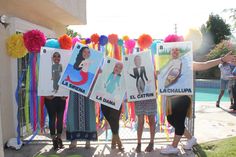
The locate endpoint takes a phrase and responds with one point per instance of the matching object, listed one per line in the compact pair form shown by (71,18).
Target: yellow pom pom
(195,36)
(83,42)
(15,46)
(125,37)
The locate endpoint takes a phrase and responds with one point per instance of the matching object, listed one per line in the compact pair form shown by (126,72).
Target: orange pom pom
(65,42)
(144,41)
(95,38)
(113,39)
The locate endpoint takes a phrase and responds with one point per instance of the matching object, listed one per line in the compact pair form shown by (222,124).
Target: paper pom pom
(130,44)
(95,38)
(113,38)
(15,46)
(83,41)
(88,41)
(65,42)
(103,40)
(154,46)
(52,43)
(120,42)
(125,37)
(34,40)
(144,41)
(74,40)
(173,38)
(195,36)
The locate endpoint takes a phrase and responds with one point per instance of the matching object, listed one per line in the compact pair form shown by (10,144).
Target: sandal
(87,145)
(149,148)
(217,104)
(138,148)
(113,142)
(55,144)
(72,145)
(59,143)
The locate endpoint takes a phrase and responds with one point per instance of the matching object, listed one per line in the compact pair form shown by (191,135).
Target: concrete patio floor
(211,123)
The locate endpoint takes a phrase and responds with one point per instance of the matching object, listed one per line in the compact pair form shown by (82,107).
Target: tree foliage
(71,33)
(221,49)
(218,29)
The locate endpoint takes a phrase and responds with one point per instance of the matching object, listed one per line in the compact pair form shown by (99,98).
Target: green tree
(218,29)
(221,49)
(72,33)
(213,32)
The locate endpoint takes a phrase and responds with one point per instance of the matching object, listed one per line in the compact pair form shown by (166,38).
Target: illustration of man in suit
(139,73)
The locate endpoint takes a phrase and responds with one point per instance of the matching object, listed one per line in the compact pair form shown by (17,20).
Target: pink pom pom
(173,38)
(74,40)
(130,44)
(34,40)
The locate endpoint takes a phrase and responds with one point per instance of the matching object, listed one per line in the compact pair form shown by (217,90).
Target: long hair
(118,63)
(79,58)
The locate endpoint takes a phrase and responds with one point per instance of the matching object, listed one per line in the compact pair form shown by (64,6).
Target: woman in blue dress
(81,120)
(113,80)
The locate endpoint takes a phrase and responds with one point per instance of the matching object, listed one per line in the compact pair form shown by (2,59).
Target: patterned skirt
(146,107)
(81,120)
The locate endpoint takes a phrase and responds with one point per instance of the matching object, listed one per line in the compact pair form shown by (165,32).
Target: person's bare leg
(219,97)
(151,119)
(187,134)
(176,141)
(140,127)
(140,132)
(152,127)
(87,144)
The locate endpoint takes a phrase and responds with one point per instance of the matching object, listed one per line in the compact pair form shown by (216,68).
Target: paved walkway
(211,123)
(214,123)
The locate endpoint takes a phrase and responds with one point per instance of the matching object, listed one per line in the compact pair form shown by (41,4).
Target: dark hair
(56,53)
(79,58)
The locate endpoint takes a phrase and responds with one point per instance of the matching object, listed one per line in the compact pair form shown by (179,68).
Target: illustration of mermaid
(82,64)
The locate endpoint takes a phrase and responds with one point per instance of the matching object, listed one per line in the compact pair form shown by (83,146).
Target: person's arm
(52,72)
(200,66)
(133,75)
(61,68)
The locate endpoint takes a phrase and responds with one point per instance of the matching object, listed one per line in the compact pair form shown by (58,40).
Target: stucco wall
(76,8)
(6,107)
(53,14)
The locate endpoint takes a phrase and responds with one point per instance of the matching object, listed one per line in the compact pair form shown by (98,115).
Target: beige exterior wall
(52,14)
(76,7)
(49,16)
(1,142)
(6,104)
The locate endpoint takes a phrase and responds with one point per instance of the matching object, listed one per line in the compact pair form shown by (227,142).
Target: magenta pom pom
(130,44)
(173,38)
(34,40)
(74,40)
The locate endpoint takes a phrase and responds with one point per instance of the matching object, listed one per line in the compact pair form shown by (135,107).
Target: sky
(154,17)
